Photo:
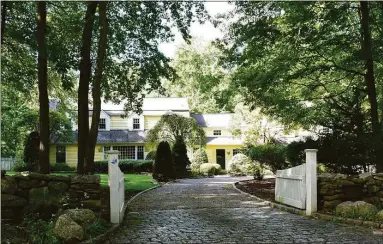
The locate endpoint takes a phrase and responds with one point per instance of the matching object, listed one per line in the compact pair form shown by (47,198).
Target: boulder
(12,201)
(86,179)
(68,230)
(8,185)
(45,201)
(86,187)
(379,216)
(58,186)
(356,209)
(330,205)
(365,209)
(31,183)
(373,188)
(83,217)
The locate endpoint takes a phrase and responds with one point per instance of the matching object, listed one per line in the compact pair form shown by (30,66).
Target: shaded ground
(209,210)
(263,189)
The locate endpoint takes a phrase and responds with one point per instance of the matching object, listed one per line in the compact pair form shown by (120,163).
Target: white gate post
(311,181)
(113,177)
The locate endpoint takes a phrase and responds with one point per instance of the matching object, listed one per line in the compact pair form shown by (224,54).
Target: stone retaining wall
(46,195)
(336,188)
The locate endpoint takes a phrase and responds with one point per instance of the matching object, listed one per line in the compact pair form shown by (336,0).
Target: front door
(220,154)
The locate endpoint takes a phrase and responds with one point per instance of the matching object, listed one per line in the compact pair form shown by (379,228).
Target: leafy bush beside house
(126,166)
(210,169)
(151,155)
(164,169)
(238,164)
(271,155)
(199,157)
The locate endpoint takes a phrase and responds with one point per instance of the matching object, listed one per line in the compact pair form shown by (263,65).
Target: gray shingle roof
(212,120)
(115,136)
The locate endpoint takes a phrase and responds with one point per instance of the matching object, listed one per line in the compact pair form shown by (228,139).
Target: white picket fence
(8,163)
(297,186)
(116,187)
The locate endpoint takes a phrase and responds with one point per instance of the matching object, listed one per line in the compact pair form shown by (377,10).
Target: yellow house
(127,134)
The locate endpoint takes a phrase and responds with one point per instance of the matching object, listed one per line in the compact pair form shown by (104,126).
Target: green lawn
(133,182)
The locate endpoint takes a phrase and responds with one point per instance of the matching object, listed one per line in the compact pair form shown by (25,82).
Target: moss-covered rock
(83,217)
(67,230)
(8,185)
(356,209)
(330,205)
(379,216)
(58,186)
(12,201)
(86,179)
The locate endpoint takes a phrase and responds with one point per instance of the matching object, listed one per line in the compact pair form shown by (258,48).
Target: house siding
(150,121)
(211,152)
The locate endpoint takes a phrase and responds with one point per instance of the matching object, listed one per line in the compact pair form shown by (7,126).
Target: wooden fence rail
(297,186)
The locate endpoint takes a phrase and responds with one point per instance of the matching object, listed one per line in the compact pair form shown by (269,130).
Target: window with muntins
(60,154)
(126,152)
(136,124)
(326,130)
(102,124)
(217,132)
(140,152)
(106,149)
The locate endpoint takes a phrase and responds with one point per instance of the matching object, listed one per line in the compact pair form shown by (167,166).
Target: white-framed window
(102,124)
(236,151)
(217,132)
(126,152)
(326,130)
(136,123)
(140,152)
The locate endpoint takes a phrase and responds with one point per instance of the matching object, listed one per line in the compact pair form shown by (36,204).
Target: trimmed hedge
(210,169)
(126,166)
(61,167)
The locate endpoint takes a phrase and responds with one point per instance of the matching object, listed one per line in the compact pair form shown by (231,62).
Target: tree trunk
(370,84)
(43,166)
(96,92)
(3,18)
(85,75)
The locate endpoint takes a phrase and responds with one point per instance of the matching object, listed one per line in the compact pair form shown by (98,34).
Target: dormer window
(217,132)
(136,124)
(102,124)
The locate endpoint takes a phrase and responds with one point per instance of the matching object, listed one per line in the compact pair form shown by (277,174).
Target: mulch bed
(260,188)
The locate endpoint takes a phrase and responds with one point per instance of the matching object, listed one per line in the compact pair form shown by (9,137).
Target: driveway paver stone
(209,210)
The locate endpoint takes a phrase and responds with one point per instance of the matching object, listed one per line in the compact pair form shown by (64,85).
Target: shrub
(151,155)
(238,163)
(164,167)
(210,168)
(20,166)
(62,167)
(96,228)
(180,157)
(199,157)
(40,231)
(126,166)
(272,155)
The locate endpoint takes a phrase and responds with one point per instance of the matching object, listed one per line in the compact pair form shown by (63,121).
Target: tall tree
(369,78)
(202,78)
(96,91)
(83,90)
(172,127)
(302,63)
(44,165)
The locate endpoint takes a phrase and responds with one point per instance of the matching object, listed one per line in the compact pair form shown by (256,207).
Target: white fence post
(311,181)
(115,177)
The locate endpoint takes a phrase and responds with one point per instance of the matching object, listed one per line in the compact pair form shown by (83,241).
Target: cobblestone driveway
(210,211)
